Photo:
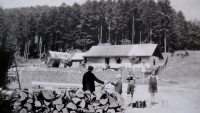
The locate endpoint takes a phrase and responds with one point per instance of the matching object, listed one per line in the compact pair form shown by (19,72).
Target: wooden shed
(55,59)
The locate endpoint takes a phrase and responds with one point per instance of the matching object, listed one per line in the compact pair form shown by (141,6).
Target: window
(85,59)
(118,60)
(107,61)
(154,62)
(140,59)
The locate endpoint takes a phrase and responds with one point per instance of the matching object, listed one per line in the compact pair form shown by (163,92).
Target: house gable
(157,53)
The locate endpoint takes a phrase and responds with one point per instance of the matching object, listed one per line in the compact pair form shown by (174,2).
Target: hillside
(184,71)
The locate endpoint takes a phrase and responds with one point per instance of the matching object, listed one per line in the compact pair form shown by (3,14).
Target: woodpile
(63,101)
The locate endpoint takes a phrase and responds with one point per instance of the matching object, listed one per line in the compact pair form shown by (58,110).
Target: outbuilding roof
(78,56)
(122,50)
(59,55)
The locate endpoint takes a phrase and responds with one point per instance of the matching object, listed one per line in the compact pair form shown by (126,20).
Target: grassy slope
(183,70)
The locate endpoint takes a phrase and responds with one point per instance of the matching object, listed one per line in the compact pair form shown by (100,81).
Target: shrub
(186,53)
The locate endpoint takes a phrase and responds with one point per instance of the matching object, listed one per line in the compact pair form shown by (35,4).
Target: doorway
(107,61)
(154,62)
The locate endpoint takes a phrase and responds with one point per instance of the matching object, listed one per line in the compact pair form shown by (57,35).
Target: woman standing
(153,86)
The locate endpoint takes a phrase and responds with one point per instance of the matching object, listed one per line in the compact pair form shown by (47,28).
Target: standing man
(143,70)
(88,80)
(153,79)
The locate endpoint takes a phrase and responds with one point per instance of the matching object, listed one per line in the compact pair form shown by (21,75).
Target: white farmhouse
(117,56)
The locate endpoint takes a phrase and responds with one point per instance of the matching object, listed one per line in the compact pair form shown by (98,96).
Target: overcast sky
(190,8)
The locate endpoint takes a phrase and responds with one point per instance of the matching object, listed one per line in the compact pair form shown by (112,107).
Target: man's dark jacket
(88,81)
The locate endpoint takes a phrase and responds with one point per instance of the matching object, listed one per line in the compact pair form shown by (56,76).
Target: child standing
(131,87)
(118,90)
(118,84)
(153,86)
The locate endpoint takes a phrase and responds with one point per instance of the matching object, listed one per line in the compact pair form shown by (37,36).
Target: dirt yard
(181,87)
(180,100)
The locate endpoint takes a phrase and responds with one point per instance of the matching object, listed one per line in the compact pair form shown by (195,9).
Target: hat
(90,68)
(119,76)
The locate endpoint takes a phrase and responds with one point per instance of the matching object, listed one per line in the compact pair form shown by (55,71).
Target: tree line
(116,22)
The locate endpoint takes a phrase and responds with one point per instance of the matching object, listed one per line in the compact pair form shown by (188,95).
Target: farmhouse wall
(154,61)
(99,62)
(145,59)
(124,63)
(75,63)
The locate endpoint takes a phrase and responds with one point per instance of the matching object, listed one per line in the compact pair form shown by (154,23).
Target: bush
(171,50)
(186,53)
(172,54)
